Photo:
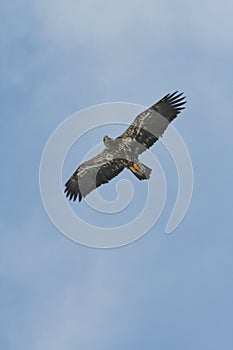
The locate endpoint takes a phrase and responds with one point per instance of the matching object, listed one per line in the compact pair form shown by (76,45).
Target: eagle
(123,152)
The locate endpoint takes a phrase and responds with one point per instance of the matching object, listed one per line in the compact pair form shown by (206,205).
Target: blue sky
(161,291)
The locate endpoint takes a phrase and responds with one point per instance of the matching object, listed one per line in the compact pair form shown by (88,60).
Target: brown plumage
(123,151)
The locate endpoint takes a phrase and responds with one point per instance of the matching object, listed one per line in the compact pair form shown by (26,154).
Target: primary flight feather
(123,151)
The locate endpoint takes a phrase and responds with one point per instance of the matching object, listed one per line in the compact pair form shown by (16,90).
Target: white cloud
(80,315)
(61,305)
(69,23)
(133,50)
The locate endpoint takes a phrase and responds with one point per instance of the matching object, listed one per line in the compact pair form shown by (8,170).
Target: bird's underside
(123,152)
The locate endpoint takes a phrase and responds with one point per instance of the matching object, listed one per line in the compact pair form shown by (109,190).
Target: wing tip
(172,104)
(72,190)
(176,99)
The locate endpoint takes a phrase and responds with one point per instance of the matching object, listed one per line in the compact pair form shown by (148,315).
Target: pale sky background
(163,292)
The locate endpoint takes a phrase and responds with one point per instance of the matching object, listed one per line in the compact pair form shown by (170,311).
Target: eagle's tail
(140,170)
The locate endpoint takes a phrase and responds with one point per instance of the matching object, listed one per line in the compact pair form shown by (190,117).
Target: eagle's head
(107,141)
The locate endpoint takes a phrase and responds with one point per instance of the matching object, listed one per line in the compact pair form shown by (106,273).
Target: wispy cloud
(59,57)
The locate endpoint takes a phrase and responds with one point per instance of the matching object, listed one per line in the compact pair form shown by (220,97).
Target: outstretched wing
(149,125)
(93,173)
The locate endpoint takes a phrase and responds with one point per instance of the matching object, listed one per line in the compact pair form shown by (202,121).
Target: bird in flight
(123,151)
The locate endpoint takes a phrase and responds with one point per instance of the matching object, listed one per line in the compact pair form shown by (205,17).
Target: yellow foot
(134,168)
